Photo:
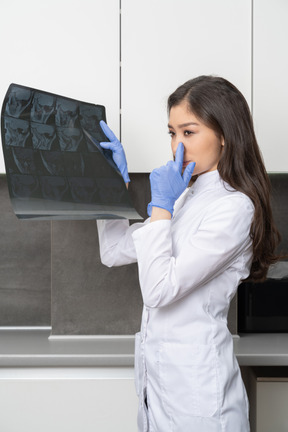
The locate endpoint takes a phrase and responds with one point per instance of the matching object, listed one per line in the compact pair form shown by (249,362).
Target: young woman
(198,244)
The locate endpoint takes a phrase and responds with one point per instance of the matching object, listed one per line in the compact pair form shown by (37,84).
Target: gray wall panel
(25,267)
(87,297)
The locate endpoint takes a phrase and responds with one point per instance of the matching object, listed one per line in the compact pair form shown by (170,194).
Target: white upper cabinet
(270,85)
(66,47)
(163,44)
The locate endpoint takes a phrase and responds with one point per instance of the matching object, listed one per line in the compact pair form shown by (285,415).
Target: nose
(175,146)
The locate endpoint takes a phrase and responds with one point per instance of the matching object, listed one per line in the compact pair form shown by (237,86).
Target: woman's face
(201,145)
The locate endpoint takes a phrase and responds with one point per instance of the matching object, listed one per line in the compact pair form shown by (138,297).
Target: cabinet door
(68,405)
(163,44)
(66,47)
(271,408)
(270,87)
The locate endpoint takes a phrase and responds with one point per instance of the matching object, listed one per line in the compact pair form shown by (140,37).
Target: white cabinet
(67,47)
(68,400)
(270,87)
(73,48)
(164,43)
(267,386)
(271,406)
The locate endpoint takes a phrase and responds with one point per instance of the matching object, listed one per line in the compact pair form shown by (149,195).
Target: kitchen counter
(262,349)
(34,348)
(24,348)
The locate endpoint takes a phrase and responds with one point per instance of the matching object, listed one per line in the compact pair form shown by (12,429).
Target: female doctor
(198,244)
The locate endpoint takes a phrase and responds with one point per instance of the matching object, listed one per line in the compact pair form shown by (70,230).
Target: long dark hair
(223,108)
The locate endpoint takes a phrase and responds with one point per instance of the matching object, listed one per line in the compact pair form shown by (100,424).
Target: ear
(222,142)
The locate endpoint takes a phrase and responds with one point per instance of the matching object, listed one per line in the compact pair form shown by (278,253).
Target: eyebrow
(184,125)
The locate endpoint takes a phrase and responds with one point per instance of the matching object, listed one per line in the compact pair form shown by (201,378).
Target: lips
(185,163)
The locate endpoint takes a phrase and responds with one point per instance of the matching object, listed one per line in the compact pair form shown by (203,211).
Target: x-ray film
(55,166)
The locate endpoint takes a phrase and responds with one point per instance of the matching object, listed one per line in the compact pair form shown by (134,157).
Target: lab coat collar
(209,180)
(206,181)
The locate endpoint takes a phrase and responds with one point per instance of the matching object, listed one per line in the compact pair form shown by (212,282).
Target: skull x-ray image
(69,138)
(24,160)
(66,113)
(43,108)
(17,132)
(24,186)
(43,136)
(53,188)
(55,166)
(83,190)
(18,100)
(53,162)
(90,116)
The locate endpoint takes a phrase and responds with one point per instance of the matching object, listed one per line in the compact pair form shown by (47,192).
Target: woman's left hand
(168,183)
(116,147)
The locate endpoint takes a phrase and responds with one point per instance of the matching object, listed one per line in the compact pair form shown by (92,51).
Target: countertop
(34,348)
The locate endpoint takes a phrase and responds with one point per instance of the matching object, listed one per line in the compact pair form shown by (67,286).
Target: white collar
(205,181)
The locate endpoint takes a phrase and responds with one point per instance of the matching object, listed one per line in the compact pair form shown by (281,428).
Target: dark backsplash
(51,274)
(25,267)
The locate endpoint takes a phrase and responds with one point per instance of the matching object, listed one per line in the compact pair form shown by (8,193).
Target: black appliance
(263,307)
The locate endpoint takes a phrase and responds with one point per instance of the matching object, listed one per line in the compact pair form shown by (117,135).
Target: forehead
(180,114)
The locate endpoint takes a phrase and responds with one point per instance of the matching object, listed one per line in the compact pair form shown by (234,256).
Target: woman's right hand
(168,183)
(116,147)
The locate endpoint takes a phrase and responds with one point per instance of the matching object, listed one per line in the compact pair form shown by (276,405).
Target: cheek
(206,156)
(213,149)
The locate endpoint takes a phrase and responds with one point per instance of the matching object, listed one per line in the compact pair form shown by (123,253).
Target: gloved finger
(169,164)
(107,131)
(179,157)
(107,145)
(188,173)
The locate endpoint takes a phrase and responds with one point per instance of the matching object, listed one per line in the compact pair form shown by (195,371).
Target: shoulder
(214,201)
(225,196)
(222,196)
(235,199)
(230,210)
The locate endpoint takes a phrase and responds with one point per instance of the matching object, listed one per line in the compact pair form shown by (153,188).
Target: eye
(187,133)
(171,133)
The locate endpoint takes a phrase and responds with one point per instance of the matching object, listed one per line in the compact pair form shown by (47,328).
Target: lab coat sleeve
(220,241)
(115,242)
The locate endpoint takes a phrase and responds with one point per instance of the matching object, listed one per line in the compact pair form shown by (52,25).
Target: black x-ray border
(55,166)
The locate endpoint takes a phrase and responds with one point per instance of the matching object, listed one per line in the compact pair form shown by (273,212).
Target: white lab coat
(187,377)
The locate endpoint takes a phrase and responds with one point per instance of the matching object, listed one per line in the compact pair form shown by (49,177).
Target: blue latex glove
(116,147)
(168,183)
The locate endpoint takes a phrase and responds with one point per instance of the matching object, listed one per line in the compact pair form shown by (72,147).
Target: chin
(198,171)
